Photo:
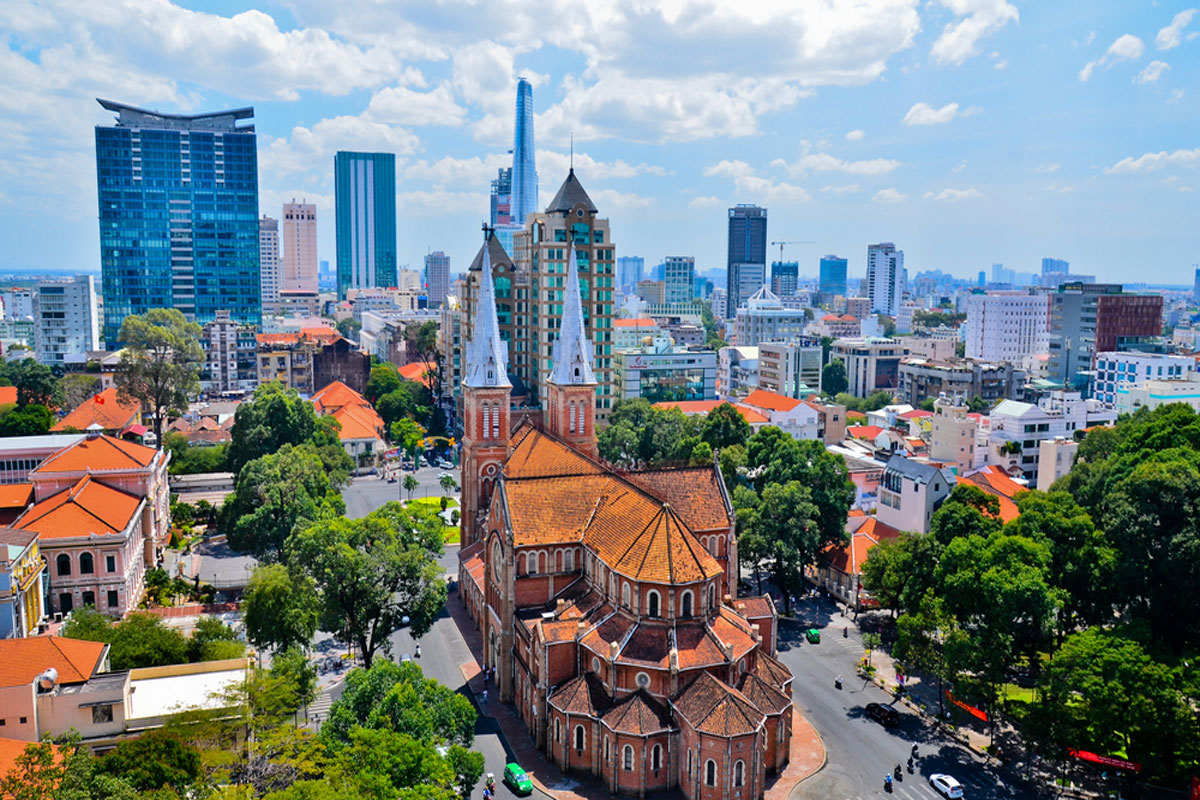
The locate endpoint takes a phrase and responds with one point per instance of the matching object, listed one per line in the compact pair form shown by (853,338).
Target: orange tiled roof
(852,414)
(698,647)
(848,558)
(358,422)
(22,660)
(765,696)
(915,414)
(996,482)
(322,335)
(647,646)
(536,454)
(98,453)
(88,508)
(757,606)
(769,400)
(583,694)
(771,670)
(16,495)
(640,322)
(638,714)
(420,371)
(107,409)
(695,493)
(864,431)
(8,395)
(335,396)
(714,707)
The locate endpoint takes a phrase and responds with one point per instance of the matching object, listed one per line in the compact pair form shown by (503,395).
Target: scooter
(837,682)
(899,775)
(887,783)
(417,652)
(911,770)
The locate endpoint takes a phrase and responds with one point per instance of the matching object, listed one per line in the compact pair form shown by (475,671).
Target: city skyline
(991,129)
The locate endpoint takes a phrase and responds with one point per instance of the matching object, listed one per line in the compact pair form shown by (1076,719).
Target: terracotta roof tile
(694,493)
(868,432)
(641,322)
(727,631)
(547,510)
(11,749)
(614,628)
(761,398)
(638,714)
(562,630)
(87,508)
(996,482)
(358,422)
(916,413)
(772,670)
(107,409)
(849,558)
(8,395)
(16,495)
(649,645)
(583,694)
(537,455)
(766,697)
(757,606)
(472,560)
(691,407)
(422,372)
(714,707)
(22,660)
(664,552)
(98,453)
(337,395)
(697,647)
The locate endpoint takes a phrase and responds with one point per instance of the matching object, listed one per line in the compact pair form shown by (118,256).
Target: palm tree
(411,484)
(448,484)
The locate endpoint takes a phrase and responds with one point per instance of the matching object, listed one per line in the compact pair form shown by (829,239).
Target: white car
(946,786)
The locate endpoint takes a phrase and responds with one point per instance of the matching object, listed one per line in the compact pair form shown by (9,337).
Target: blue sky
(967,131)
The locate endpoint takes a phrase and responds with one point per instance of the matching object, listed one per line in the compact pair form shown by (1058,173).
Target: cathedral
(607,599)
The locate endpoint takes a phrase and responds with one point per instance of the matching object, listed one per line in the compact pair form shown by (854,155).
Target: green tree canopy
(275,416)
(833,378)
(158,759)
(725,426)
(29,420)
(160,362)
(280,608)
(36,384)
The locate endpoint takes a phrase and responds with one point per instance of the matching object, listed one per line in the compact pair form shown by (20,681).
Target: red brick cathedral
(607,600)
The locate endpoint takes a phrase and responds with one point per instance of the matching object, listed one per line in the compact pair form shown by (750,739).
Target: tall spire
(573,348)
(487,355)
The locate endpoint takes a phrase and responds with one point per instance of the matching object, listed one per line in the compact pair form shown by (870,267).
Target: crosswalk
(318,709)
(908,790)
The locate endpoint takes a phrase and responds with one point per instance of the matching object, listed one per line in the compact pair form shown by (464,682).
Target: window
(87,564)
(652,602)
(557,731)
(571,405)
(579,737)
(656,758)
(625,595)
(570,561)
(89,599)
(686,605)
(531,563)
(110,563)
(710,773)
(101,714)
(643,680)
(487,419)
(63,563)
(495,422)
(739,773)
(606,744)
(689,765)
(712,596)
(627,758)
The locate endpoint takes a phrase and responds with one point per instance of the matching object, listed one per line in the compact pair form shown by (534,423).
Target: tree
(373,571)
(63,770)
(275,416)
(833,378)
(144,640)
(448,484)
(411,484)
(924,635)
(977,405)
(187,459)
(273,495)
(384,378)
(789,530)
(407,435)
(725,426)
(349,328)
(77,387)
(158,759)
(872,642)
(774,457)
(36,384)
(30,420)
(213,640)
(280,607)
(422,339)
(160,363)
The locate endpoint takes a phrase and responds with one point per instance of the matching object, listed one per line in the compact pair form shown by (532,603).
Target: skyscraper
(885,278)
(524,169)
(178,198)
(679,278)
(629,272)
(365,197)
(1055,265)
(437,277)
(65,320)
(785,278)
(832,280)
(299,247)
(1090,318)
(746,257)
(1196,285)
(269,263)
(501,198)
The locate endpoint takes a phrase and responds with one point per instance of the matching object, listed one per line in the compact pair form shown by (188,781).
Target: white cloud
(1176,96)
(824,162)
(889,195)
(611,198)
(954,195)
(1184,189)
(439,201)
(1152,72)
(959,40)
(1172,35)
(959,167)
(556,164)
(1126,48)
(308,149)
(707,201)
(1047,169)
(473,171)
(1152,161)
(855,136)
(925,114)
(400,105)
(1001,64)
(1060,188)
(767,192)
(852,188)
(729,169)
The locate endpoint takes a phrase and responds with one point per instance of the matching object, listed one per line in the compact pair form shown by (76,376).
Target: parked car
(884,715)
(517,780)
(946,786)
(813,636)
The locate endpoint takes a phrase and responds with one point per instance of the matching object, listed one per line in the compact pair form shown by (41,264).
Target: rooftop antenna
(572,151)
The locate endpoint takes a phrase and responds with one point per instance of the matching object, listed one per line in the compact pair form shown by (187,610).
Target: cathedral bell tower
(571,406)
(486,405)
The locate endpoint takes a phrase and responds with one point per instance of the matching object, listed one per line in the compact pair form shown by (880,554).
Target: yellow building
(22,583)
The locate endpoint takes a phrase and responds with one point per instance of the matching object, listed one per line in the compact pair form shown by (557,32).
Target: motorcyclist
(418,651)
(914,751)
(838,682)
(896,771)
(887,782)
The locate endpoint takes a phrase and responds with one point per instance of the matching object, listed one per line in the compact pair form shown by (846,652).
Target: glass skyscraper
(746,268)
(832,280)
(524,169)
(178,197)
(365,200)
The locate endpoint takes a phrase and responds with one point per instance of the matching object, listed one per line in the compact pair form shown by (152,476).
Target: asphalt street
(369,492)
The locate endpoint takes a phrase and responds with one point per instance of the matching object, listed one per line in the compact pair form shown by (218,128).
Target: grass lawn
(1018,694)
(434,501)
(451,535)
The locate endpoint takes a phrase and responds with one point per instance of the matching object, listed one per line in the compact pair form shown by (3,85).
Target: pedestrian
(485,696)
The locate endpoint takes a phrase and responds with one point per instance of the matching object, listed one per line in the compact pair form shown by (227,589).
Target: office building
(299,247)
(1007,326)
(230,357)
(886,278)
(1116,373)
(270,263)
(1017,429)
(737,371)
(872,364)
(524,168)
(652,292)
(437,277)
(746,256)
(1055,459)
(785,278)
(66,321)
(501,198)
(629,272)
(1154,393)
(679,279)
(717,303)
(661,372)
(924,379)
(791,369)
(1055,265)
(1196,286)
(832,278)
(1087,318)
(178,199)
(763,318)
(365,201)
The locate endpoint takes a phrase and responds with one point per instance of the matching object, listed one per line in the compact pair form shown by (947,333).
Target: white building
(1117,373)
(1007,326)
(1155,393)
(1055,459)
(905,314)
(230,356)
(737,371)
(18,303)
(299,247)
(952,434)
(794,417)
(792,369)
(909,493)
(872,364)
(630,334)
(66,320)
(1017,429)
(270,265)
(437,277)
(886,278)
(764,319)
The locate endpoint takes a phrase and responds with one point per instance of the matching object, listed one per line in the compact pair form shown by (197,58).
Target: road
(369,492)
(861,751)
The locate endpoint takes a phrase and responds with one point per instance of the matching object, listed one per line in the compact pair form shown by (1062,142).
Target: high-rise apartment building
(1089,318)
(299,247)
(230,356)
(1007,326)
(524,169)
(365,200)
(437,277)
(1055,265)
(832,278)
(679,279)
(792,369)
(629,272)
(178,200)
(785,278)
(270,263)
(66,324)
(746,256)
(1196,285)
(886,278)
(501,198)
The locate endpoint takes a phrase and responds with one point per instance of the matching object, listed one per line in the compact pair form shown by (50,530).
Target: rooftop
(97,453)
(761,398)
(107,409)
(23,660)
(159,696)
(89,508)
(569,195)
(224,121)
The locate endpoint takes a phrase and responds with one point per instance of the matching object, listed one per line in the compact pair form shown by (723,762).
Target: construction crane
(781,244)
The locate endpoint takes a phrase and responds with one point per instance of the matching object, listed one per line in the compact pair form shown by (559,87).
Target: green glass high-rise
(365,199)
(178,201)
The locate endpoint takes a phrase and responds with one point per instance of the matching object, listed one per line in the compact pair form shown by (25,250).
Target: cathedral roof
(639,714)
(765,696)
(569,195)
(495,252)
(665,552)
(538,455)
(695,493)
(771,670)
(714,707)
(583,694)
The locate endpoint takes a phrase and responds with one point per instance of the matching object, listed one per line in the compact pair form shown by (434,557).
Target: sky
(969,132)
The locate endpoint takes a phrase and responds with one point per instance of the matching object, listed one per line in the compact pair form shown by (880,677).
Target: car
(446,464)
(813,636)
(884,715)
(516,779)
(946,786)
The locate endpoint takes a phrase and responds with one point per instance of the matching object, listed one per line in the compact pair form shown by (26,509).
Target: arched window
(739,773)
(685,605)
(690,765)
(606,746)
(627,757)
(64,564)
(495,422)
(625,594)
(571,405)
(652,603)
(557,730)
(558,560)
(710,773)
(712,597)
(579,737)
(87,564)
(656,758)
(781,729)
(531,563)
(541,562)
(582,418)
(487,420)
(570,561)
(497,561)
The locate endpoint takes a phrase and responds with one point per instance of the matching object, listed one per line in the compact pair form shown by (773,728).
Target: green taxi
(517,780)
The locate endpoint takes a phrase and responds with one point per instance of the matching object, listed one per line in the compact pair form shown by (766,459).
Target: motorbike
(899,775)
(914,751)
(911,770)
(887,783)
(417,653)
(837,682)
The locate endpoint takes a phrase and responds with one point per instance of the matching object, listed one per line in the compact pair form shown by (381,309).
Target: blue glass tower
(833,276)
(524,170)
(178,200)
(365,200)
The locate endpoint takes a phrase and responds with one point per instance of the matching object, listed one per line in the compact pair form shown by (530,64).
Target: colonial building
(607,600)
